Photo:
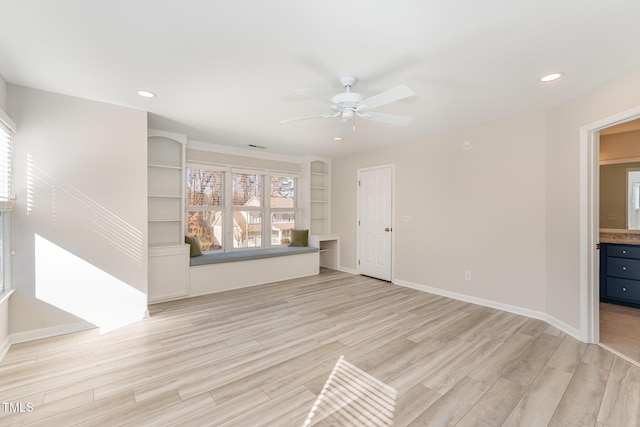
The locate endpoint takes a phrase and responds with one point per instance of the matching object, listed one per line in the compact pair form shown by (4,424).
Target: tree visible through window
(205,207)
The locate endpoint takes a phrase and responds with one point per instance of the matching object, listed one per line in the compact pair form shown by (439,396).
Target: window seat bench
(223,271)
(248,254)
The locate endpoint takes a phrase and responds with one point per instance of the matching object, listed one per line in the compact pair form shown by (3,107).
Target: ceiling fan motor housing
(347,100)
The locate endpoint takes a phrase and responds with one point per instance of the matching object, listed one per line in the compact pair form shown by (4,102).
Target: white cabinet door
(374,229)
(168,272)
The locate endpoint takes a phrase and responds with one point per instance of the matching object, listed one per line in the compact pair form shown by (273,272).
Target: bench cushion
(248,254)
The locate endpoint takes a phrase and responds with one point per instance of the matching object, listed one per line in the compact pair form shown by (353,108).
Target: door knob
(387,229)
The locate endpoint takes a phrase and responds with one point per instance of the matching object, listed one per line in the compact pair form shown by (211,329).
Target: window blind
(7,129)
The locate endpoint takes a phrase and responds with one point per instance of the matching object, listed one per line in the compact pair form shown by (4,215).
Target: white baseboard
(347,270)
(534,314)
(567,329)
(4,348)
(52,331)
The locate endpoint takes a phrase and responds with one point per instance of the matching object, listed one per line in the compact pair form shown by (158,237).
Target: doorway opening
(593,219)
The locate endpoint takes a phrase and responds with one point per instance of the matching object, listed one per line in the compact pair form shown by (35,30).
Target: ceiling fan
(349,105)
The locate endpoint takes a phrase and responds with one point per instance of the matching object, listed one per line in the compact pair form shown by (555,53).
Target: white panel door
(374,222)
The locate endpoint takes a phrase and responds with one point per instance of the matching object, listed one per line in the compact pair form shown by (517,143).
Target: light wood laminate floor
(262,355)
(620,329)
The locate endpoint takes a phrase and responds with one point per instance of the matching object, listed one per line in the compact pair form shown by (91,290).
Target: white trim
(589,226)
(4,348)
(178,137)
(6,120)
(347,270)
(534,314)
(244,152)
(52,331)
(559,324)
(5,295)
(618,161)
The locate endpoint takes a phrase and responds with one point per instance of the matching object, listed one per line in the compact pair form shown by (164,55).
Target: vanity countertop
(629,237)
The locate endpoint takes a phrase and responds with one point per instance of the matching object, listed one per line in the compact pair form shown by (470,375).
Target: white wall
(80,220)
(563,187)
(480,210)
(3,94)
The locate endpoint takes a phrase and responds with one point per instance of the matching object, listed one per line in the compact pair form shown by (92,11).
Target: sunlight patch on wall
(57,197)
(352,397)
(72,284)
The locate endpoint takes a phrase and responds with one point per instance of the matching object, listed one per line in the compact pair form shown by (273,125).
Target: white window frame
(8,128)
(228,208)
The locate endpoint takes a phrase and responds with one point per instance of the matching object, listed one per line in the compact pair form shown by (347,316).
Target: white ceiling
(224,71)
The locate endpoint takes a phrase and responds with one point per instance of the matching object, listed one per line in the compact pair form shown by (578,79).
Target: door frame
(590,221)
(393,207)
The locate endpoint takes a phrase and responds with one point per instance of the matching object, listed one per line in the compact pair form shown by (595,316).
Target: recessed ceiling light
(146,94)
(551,77)
(337,138)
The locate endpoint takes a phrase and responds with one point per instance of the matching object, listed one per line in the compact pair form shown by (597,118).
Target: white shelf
(316,196)
(165,166)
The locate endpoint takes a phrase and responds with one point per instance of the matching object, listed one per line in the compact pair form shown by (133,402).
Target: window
(7,128)
(234,209)
(633,199)
(283,214)
(205,207)
(247,209)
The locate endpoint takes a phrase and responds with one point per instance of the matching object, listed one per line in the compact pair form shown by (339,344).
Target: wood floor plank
(451,407)
(581,401)
(533,359)
(493,408)
(502,359)
(537,406)
(621,401)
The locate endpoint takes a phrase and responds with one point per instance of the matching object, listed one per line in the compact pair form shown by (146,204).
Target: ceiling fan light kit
(349,105)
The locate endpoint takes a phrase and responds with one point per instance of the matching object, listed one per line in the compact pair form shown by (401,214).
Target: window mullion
(266,222)
(228,211)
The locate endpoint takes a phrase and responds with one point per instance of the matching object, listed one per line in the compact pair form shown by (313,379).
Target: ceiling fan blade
(387,118)
(395,94)
(345,126)
(317,116)
(313,95)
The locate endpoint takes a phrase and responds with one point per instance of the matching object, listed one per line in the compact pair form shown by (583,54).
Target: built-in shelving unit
(166,189)
(316,174)
(168,254)
(319,197)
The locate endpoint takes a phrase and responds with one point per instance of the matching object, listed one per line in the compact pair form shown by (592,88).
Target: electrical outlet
(467,275)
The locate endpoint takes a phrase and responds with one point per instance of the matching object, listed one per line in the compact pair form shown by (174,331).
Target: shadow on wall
(67,278)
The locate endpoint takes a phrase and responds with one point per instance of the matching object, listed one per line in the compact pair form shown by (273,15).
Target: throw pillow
(299,238)
(194,244)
